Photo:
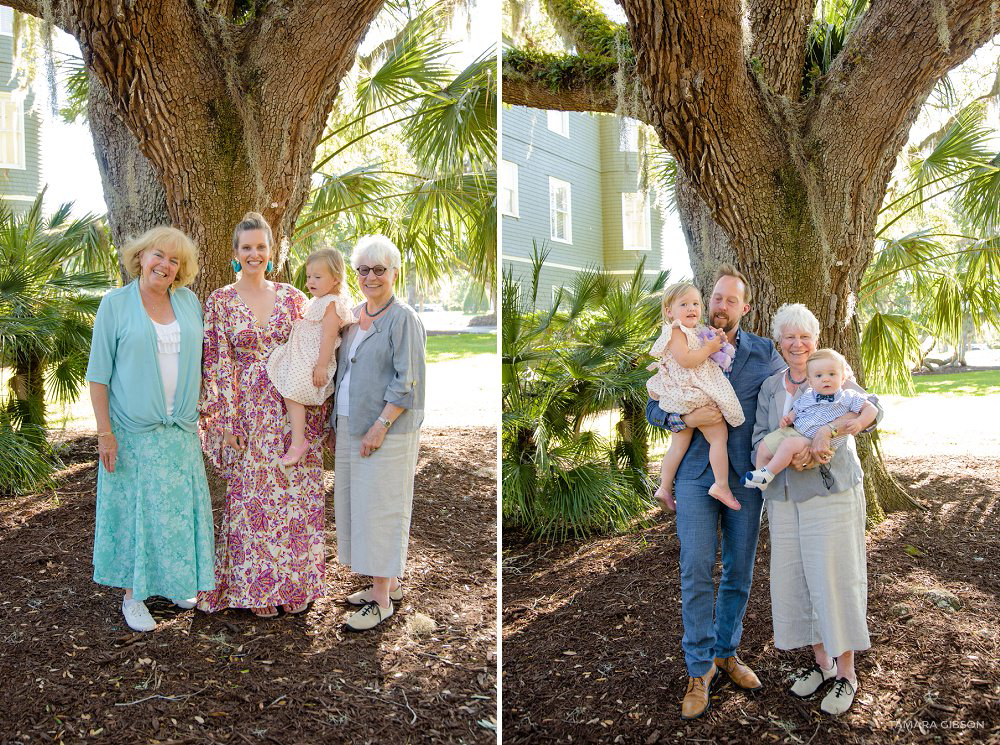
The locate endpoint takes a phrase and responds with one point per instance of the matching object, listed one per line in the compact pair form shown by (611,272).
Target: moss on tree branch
(584,24)
(558,72)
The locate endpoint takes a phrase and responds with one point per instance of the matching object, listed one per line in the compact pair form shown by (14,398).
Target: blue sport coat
(756,360)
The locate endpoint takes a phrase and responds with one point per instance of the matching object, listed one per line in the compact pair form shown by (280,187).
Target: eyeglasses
(378,271)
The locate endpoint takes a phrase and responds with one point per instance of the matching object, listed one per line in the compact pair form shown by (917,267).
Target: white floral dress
(290,366)
(681,390)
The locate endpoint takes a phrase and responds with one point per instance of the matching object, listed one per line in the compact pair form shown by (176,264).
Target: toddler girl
(303,368)
(686,379)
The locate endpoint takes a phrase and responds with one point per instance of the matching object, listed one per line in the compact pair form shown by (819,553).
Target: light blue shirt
(123,357)
(811,414)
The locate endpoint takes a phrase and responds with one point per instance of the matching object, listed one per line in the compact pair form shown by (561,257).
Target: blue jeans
(698,519)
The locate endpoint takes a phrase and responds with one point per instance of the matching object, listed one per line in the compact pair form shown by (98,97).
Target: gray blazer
(388,367)
(799,486)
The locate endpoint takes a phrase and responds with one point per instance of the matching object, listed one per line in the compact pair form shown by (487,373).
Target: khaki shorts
(773,439)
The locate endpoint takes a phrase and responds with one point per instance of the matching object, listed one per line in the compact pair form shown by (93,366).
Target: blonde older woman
(378,410)
(816,518)
(154,513)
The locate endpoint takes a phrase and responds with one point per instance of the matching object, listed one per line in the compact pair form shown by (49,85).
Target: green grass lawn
(442,347)
(979,383)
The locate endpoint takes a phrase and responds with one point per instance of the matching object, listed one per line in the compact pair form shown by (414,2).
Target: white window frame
(558,122)
(17,112)
(508,182)
(6,21)
(627,198)
(554,184)
(628,136)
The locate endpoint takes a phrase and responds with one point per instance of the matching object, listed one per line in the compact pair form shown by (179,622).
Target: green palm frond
(963,144)
(455,128)
(414,64)
(977,199)
(889,349)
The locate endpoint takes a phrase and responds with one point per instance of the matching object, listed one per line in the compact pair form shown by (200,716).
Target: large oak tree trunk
(214,118)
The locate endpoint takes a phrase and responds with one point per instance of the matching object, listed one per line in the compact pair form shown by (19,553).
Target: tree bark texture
(227,116)
(132,190)
(788,189)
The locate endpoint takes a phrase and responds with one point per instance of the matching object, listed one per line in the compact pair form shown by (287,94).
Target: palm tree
(47,306)
(585,356)
(943,277)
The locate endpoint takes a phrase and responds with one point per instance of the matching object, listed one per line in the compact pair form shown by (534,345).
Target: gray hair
(376,249)
(796,317)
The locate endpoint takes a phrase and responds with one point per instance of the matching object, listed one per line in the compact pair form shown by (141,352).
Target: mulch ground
(591,633)
(71,671)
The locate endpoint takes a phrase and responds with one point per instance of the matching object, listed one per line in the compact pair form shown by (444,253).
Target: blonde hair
(728,270)
(332,260)
(829,354)
(252,221)
(671,293)
(166,236)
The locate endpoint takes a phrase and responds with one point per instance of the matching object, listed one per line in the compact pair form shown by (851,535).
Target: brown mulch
(591,633)
(71,671)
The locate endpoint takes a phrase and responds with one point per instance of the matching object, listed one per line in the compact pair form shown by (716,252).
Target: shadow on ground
(591,640)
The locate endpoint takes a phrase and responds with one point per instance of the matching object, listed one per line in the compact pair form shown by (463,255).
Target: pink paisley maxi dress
(270,546)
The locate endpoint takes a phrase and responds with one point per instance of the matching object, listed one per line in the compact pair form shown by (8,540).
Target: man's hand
(850,428)
(702,416)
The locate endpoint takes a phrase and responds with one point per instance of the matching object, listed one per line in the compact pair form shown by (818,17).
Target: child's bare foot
(294,454)
(724,495)
(665,497)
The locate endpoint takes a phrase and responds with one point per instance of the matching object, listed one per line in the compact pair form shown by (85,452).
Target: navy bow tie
(825,397)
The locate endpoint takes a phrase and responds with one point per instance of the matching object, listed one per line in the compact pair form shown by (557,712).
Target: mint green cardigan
(123,357)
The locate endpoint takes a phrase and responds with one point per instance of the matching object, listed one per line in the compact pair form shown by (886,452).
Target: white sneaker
(807,681)
(137,615)
(362,597)
(840,697)
(185,604)
(369,617)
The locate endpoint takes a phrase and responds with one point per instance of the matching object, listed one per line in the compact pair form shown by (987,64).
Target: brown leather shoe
(697,699)
(739,673)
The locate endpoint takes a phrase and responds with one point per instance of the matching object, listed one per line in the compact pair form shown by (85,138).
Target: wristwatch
(385,422)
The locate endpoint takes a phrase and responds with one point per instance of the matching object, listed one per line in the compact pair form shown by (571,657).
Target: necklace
(380,310)
(154,308)
(792,380)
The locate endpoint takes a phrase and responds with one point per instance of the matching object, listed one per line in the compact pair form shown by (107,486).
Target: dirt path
(591,641)
(72,672)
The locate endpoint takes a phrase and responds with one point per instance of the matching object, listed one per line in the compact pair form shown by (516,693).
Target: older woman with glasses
(378,410)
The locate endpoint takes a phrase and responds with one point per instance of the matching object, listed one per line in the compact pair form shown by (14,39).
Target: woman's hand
(852,427)
(821,450)
(331,440)
(233,441)
(372,440)
(107,452)
(319,376)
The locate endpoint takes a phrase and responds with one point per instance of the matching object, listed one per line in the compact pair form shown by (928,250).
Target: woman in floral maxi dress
(270,546)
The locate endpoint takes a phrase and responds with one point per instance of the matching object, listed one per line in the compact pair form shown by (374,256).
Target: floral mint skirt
(154,516)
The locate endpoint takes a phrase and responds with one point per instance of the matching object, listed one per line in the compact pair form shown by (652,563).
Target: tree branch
(889,66)
(778,31)
(563,82)
(583,24)
(702,99)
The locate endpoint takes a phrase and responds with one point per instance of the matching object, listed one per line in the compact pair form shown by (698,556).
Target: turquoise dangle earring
(270,267)
(237,266)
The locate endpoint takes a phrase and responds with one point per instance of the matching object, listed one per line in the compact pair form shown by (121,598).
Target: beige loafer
(363,597)
(370,616)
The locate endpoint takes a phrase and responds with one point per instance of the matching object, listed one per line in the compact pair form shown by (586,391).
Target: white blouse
(168,354)
(343,397)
